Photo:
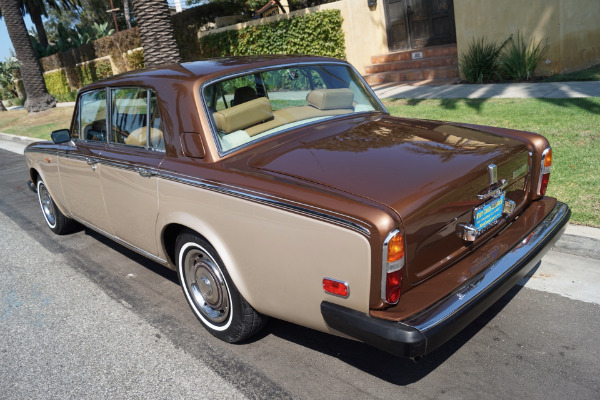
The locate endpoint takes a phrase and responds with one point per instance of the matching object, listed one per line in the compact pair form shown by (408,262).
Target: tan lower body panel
(277,259)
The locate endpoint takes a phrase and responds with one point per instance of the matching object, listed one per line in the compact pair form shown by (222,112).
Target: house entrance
(414,24)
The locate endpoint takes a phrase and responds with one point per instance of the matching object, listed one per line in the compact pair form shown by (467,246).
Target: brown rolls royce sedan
(280,186)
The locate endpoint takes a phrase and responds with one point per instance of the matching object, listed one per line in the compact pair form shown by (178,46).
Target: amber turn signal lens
(548,158)
(395,250)
(335,287)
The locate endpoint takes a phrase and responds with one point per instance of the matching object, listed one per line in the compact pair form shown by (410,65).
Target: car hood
(429,172)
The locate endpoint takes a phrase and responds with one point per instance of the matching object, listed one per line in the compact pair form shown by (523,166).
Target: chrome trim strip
(213,128)
(298,208)
(385,266)
(542,169)
(123,243)
(469,293)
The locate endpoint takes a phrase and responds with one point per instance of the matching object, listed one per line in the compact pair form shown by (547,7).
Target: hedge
(93,71)
(314,34)
(57,85)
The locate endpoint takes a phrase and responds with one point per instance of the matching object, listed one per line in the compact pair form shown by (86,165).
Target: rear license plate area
(488,213)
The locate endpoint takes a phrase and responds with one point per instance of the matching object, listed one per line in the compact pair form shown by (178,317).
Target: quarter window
(135,118)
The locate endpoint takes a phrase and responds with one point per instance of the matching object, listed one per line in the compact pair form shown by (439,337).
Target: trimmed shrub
(520,59)
(57,85)
(94,71)
(135,60)
(313,34)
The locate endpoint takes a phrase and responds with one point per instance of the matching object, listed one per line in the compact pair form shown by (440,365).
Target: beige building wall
(364,28)
(572,28)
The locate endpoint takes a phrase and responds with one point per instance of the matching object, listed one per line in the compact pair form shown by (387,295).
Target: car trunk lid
(430,173)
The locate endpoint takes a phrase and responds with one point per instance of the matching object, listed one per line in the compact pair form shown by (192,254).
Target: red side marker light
(335,287)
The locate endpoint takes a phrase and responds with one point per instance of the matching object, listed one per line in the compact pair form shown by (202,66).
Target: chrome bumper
(423,332)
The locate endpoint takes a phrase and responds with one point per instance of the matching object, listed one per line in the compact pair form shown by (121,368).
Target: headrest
(243,94)
(247,114)
(330,99)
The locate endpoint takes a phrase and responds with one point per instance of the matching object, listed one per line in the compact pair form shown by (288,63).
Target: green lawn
(38,125)
(571,125)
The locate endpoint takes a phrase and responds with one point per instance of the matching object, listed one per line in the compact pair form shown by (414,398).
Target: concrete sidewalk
(549,90)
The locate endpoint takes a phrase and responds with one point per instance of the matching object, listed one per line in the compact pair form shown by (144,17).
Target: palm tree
(38,98)
(156,31)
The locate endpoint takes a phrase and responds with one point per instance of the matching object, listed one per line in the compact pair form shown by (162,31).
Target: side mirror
(60,136)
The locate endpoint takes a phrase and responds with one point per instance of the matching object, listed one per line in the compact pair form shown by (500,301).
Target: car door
(80,168)
(129,172)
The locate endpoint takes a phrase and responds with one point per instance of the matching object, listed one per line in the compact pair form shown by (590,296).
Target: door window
(93,116)
(135,118)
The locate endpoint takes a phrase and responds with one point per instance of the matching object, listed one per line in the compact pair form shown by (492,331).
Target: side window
(93,116)
(129,107)
(135,118)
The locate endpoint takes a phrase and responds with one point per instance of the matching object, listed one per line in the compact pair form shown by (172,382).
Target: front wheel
(210,292)
(55,219)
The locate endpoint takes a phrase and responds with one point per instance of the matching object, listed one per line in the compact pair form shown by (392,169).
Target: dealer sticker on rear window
(489,212)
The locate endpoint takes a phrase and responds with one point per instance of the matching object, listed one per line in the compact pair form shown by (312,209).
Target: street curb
(19,139)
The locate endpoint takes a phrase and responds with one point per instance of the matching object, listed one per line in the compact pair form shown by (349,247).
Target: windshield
(248,108)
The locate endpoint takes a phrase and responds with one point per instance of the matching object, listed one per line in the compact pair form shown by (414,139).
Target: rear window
(247,108)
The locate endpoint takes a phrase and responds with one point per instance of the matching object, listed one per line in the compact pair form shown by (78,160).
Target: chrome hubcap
(206,285)
(46,203)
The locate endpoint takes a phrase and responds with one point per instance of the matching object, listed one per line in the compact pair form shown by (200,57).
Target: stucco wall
(572,28)
(363,26)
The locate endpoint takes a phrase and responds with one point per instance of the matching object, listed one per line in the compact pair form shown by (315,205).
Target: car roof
(201,70)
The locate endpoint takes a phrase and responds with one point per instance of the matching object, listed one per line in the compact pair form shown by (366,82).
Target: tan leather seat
(137,137)
(244,115)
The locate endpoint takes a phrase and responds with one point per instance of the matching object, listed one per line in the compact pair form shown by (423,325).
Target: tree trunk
(2,108)
(38,98)
(36,18)
(156,31)
(126,13)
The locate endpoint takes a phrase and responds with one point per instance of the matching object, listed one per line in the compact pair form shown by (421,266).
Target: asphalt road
(82,317)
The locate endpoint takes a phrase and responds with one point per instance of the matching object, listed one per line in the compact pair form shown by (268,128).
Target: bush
(520,59)
(135,60)
(93,71)
(481,62)
(314,34)
(57,85)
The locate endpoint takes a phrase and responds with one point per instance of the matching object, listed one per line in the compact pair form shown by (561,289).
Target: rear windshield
(248,108)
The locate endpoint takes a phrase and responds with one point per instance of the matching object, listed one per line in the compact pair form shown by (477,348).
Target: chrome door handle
(144,172)
(91,162)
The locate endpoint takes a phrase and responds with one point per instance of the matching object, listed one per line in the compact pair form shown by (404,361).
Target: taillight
(393,261)
(546,166)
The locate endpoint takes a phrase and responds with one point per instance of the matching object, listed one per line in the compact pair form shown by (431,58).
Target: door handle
(146,173)
(91,162)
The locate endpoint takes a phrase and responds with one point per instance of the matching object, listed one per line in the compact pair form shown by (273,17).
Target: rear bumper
(425,331)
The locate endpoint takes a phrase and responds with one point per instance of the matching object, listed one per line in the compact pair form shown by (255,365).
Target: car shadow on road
(396,370)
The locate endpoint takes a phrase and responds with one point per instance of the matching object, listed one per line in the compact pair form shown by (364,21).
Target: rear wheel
(210,292)
(55,219)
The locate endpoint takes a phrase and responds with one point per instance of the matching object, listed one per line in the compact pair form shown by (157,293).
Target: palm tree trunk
(126,13)
(156,31)
(38,98)
(36,18)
